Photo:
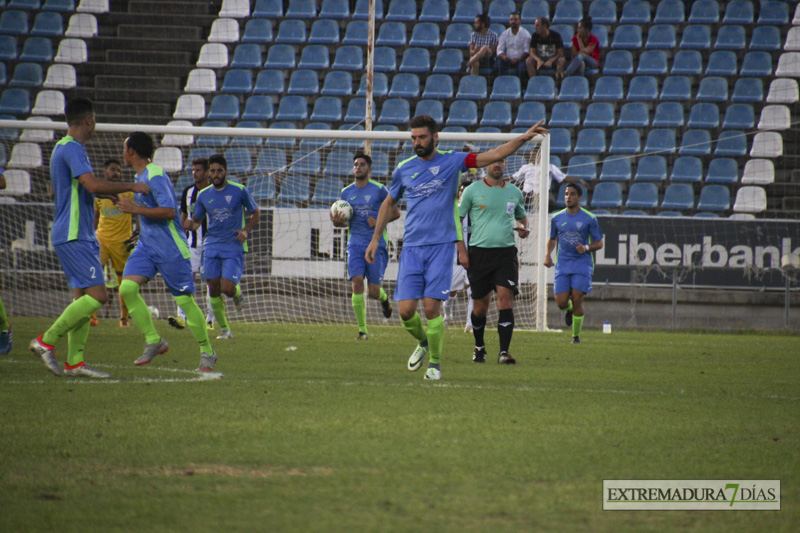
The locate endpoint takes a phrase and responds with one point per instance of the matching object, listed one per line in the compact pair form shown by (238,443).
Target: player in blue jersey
(429,182)
(161,248)
(366,197)
(577,234)
(225,243)
(74,241)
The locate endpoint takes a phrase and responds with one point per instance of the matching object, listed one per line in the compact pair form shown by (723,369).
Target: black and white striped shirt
(188,199)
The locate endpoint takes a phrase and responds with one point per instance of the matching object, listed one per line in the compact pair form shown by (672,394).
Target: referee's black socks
(505,328)
(478,328)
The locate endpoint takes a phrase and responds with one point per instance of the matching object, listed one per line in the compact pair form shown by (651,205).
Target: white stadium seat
(750,199)
(72,51)
(82,25)
(238,9)
(93,6)
(213,55)
(190,106)
(767,144)
(17,182)
(788,65)
(201,80)
(775,117)
(758,172)
(792,40)
(61,76)
(49,103)
(37,136)
(224,31)
(783,91)
(174,139)
(169,158)
(25,155)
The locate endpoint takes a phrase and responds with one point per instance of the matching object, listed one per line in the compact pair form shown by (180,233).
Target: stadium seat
(380,85)
(541,88)
(249,55)
(670,12)
(82,25)
(730,38)
(560,141)
(348,57)
(49,103)
(391,34)
(61,76)
(738,12)
(61,6)
(618,63)
(774,13)
(721,63)
(775,117)
(625,141)
(438,86)
(425,34)
(315,143)
(467,10)
(463,113)
(214,141)
(328,189)
(750,200)
(697,37)
(356,33)
(714,198)
(616,169)
(565,115)
(395,111)
(748,90)
(723,170)
(434,108)
(8,48)
(314,57)
(306,162)
(402,10)
(301,9)
(687,63)
(335,9)
(37,49)
(783,91)
(224,107)
(262,187)
(201,80)
(48,24)
(357,110)
(457,36)
(660,141)
(294,190)
(338,164)
(731,144)
(601,11)
(391,145)
(652,63)
(240,160)
(575,88)
(704,12)
(643,88)
(499,10)
(270,161)
(258,107)
(251,142)
(703,115)
(677,88)
(337,83)
(27,75)
(608,88)
(567,12)
(529,113)
(789,65)
(599,31)
(599,115)
(443,145)
(582,166)
(448,61)
(238,81)
(635,12)
(758,172)
(224,31)
(235,9)
(632,213)
(269,82)
(212,55)
(651,168)
(257,31)
(792,40)
(496,113)
(361,11)
(506,88)
(687,170)
(304,82)
(324,31)
(627,37)
(756,64)
(279,56)
(174,139)
(739,117)
(169,158)
(678,197)
(14,22)
(712,89)
(633,115)
(695,142)
(15,102)
(292,108)
(404,85)
(607,194)
(661,37)
(416,60)
(386,60)
(642,196)
(291,31)
(592,141)
(766,38)
(472,87)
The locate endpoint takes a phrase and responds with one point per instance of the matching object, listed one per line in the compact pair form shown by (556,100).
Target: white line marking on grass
(194,376)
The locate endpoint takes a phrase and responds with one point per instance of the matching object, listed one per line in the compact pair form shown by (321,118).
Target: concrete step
(138,96)
(132,112)
(160,7)
(163,57)
(149,83)
(98,68)
(190,33)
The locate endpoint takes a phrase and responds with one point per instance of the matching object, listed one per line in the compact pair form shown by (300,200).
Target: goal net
(296,268)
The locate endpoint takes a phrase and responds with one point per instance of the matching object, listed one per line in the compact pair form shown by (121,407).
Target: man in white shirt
(528,177)
(513,48)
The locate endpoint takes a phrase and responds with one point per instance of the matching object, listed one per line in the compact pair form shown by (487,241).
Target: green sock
(72,317)
(3,317)
(436,338)
(569,307)
(577,324)
(137,308)
(360,310)
(238,291)
(76,341)
(382,297)
(219,311)
(195,321)
(414,326)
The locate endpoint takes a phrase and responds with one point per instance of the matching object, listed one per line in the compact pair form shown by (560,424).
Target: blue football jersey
(366,202)
(569,231)
(225,211)
(164,240)
(74,217)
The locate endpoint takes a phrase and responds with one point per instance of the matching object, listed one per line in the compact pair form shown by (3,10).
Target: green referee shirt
(492,212)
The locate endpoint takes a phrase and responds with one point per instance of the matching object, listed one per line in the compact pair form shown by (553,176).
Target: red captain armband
(471,161)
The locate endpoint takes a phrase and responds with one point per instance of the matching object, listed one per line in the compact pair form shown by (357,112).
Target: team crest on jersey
(228,198)
(367,197)
(435,171)
(579,224)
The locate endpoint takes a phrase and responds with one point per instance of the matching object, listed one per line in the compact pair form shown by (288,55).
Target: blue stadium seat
(748,90)
(467,10)
(599,31)
(774,13)
(560,141)
(766,38)
(541,88)
(438,86)
(416,60)
(574,88)
(714,198)
(457,35)
(565,115)
(249,56)
(348,58)
(269,82)
(258,108)
(380,164)
(361,11)
(182,182)
(721,63)
(696,37)
(294,190)
(328,189)
(247,141)
(723,170)
(670,12)
(532,9)
(676,88)
(262,188)
(306,162)
(270,160)
(634,115)
(529,113)
(301,9)
(642,196)
(661,37)
(627,37)
(678,197)
(499,10)
(48,24)
(713,89)
(8,48)
(14,22)
(280,56)
(404,85)
(756,64)
(739,117)
(434,108)
(240,160)
(739,12)
(443,145)
(334,9)
(268,9)
(687,63)
(705,215)
(385,59)
(395,111)
(472,87)
(599,115)
(602,12)
(608,89)
(435,11)
(356,33)
(607,194)
(291,31)
(633,213)
(62,6)
(562,189)
(304,83)
(315,57)
(463,113)
(582,166)
(660,141)
(280,142)
(27,75)
(448,61)
(566,31)
(324,31)
(496,113)
(635,12)
(704,12)
(238,81)
(731,143)
(618,63)
(339,164)
(380,85)
(257,31)
(224,107)
(402,10)
(643,88)
(592,141)
(316,143)
(651,168)
(292,108)
(616,169)
(357,110)
(385,144)
(687,170)
(391,34)
(567,12)
(652,63)
(625,141)
(337,83)
(695,142)
(703,116)
(327,109)
(425,34)
(730,38)
(506,88)
(37,49)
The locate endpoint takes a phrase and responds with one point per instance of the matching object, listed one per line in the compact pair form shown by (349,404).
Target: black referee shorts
(490,267)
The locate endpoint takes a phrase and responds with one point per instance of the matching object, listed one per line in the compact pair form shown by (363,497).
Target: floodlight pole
(369,74)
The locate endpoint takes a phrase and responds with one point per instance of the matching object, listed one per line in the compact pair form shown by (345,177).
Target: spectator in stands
(547,50)
(482,45)
(528,177)
(585,49)
(512,48)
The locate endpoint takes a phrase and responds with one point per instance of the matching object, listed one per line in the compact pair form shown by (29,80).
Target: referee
(494,207)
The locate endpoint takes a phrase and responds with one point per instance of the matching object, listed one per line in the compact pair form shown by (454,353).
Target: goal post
(296,269)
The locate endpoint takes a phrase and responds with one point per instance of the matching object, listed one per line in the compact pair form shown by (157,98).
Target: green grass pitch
(336,435)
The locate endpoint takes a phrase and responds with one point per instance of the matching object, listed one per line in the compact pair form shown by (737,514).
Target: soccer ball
(340,206)
(154,312)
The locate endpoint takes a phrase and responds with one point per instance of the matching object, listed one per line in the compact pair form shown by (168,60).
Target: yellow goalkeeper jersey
(114,225)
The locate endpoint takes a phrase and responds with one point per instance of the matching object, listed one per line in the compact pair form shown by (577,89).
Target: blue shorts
(80,261)
(579,282)
(177,274)
(425,271)
(358,266)
(222,264)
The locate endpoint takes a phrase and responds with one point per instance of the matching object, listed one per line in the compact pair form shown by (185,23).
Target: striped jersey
(188,201)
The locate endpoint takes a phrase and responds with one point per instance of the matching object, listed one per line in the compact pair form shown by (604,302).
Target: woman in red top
(585,49)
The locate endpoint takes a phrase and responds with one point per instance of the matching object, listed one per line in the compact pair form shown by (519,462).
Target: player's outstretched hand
(536,129)
(141,188)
